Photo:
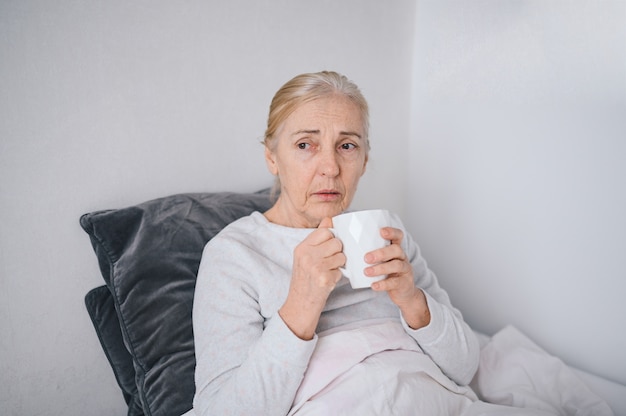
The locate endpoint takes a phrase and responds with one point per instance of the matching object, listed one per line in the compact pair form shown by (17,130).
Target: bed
(149,254)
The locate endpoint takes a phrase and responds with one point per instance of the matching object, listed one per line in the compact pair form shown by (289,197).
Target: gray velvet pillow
(149,256)
(101,309)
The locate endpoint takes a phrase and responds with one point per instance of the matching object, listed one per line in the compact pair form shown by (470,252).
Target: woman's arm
(427,314)
(245,365)
(314,275)
(241,368)
(447,339)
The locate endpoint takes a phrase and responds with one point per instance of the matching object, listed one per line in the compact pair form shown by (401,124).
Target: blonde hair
(309,87)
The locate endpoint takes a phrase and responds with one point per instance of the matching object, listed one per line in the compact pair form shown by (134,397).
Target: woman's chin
(329,211)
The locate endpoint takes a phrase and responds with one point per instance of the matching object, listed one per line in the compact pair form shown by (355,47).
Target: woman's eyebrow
(314,131)
(304,131)
(350,133)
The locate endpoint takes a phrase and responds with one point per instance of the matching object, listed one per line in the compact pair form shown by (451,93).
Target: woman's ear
(270,159)
(364,165)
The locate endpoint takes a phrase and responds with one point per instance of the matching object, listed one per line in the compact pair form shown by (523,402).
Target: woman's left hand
(393,262)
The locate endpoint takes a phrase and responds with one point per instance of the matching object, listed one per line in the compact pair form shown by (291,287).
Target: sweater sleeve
(244,365)
(447,339)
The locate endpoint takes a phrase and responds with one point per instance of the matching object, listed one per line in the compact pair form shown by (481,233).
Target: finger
(394,284)
(332,247)
(391,268)
(381,285)
(327,222)
(387,253)
(322,234)
(395,235)
(336,261)
(388,284)
(319,236)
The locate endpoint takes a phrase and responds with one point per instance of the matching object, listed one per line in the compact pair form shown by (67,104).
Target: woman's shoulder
(235,238)
(242,227)
(256,233)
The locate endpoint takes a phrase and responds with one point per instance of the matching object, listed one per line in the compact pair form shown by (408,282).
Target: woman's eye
(303,146)
(348,146)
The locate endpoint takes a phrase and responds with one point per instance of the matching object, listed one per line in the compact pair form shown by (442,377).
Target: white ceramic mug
(359,233)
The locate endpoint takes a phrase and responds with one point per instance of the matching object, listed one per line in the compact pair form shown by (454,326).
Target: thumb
(327,222)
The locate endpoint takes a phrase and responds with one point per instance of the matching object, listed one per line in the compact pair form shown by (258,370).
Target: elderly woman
(270,289)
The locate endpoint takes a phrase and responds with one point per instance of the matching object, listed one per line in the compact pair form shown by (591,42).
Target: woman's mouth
(328,194)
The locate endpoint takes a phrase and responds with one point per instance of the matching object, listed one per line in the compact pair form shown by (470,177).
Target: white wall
(518,167)
(107,104)
(516,154)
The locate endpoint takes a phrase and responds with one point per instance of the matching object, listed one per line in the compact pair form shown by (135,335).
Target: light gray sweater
(248,362)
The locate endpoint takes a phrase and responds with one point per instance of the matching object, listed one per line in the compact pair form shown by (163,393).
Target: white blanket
(514,371)
(376,370)
(380,370)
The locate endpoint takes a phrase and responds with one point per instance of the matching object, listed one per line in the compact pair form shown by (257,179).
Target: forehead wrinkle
(350,133)
(312,131)
(316,112)
(316,131)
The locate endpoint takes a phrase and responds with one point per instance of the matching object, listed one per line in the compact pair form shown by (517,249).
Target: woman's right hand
(315,274)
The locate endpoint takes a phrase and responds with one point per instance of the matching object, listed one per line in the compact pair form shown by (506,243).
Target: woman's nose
(329,165)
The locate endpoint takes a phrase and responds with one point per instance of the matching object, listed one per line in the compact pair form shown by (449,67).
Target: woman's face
(319,155)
